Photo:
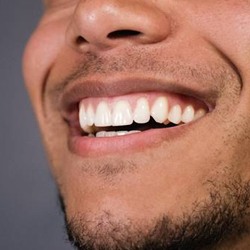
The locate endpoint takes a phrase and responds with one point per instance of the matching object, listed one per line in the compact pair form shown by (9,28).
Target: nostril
(80,40)
(123,34)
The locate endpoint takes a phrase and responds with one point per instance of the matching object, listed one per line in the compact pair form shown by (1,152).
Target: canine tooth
(142,112)
(122,114)
(103,115)
(159,109)
(188,114)
(174,115)
(90,115)
(199,113)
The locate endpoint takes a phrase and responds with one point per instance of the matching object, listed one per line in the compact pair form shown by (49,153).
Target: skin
(170,176)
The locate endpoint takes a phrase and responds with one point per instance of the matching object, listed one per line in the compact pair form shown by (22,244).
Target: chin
(207,223)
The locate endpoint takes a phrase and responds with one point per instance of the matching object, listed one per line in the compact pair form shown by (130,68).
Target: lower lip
(101,146)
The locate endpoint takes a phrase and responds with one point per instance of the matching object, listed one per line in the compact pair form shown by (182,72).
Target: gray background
(30,218)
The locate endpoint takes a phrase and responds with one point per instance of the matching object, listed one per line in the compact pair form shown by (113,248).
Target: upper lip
(118,86)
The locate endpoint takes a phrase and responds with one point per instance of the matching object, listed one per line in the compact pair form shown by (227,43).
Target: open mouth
(130,115)
(135,113)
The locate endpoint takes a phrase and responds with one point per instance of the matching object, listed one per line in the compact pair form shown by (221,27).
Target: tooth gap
(152,124)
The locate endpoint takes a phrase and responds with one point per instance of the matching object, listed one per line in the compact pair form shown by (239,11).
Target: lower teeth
(125,130)
(114,133)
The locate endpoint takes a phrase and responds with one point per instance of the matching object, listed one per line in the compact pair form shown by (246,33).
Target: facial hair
(211,222)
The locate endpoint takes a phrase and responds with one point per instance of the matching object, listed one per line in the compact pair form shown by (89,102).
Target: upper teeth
(121,113)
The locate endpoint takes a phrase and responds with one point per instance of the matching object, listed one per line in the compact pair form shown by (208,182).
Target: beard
(219,218)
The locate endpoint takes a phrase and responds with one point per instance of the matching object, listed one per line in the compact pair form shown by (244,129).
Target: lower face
(147,157)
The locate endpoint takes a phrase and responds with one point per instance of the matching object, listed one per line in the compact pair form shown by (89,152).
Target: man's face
(98,70)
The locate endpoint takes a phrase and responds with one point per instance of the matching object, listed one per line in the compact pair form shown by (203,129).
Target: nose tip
(106,24)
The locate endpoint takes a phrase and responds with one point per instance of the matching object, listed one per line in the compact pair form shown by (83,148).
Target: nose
(106,24)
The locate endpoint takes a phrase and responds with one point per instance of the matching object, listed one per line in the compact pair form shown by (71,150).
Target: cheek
(39,56)
(226,25)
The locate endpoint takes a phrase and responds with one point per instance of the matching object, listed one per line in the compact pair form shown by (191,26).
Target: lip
(91,146)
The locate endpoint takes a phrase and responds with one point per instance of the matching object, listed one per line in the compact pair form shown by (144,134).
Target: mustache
(129,62)
(147,64)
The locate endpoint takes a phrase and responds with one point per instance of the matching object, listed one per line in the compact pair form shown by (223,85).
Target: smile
(130,115)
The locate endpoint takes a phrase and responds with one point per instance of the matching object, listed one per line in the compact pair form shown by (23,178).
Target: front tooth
(142,112)
(122,114)
(159,109)
(103,115)
(174,115)
(90,115)
(188,114)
